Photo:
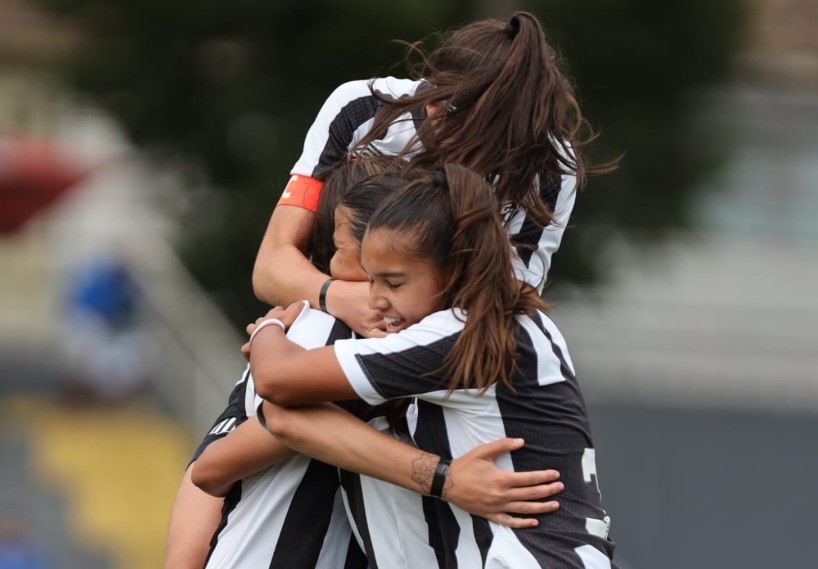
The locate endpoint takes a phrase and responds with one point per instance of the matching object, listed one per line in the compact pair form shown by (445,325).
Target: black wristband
(439,479)
(322,296)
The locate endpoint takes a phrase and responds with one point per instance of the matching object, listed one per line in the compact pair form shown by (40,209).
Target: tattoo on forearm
(423,471)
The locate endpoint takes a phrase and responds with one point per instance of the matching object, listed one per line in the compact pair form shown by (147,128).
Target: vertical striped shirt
(546,409)
(292,514)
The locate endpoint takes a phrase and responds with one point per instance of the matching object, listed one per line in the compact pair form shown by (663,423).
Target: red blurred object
(33,175)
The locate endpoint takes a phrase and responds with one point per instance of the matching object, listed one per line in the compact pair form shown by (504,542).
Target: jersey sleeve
(233,415)
(336,129)
(533,246)
(405,364)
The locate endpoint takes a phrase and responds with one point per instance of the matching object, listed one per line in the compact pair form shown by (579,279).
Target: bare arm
(248,449)
(283,274)
(475,483)
(193,521)
(287,374)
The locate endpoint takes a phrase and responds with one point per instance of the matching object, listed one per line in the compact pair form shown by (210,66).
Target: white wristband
(263,325)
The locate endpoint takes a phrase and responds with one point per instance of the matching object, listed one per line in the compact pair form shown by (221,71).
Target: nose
(377,301)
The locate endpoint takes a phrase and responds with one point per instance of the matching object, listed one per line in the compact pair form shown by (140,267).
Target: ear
(432,108)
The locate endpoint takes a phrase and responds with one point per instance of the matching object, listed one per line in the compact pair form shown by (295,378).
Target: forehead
(342,231)
(386,246)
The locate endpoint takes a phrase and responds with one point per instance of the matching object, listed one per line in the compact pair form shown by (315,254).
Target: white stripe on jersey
(253,527)
(536,271)
(318,140)
(393,519)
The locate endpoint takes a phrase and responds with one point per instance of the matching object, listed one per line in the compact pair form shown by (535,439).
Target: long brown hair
(505,110)
(344,175)
(451,218)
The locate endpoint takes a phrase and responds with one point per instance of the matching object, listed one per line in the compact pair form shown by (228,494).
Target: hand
(286,315)
(476,484)
(349,302)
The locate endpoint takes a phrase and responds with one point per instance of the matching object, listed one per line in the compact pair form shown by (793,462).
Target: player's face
(345,264)
(403,289)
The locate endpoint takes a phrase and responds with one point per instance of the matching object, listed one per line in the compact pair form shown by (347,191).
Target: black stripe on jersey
(552,421)
(355,497)
(342,129)
(410,376)
(234,414)
(355,559)
(231,500)
(482,535)
(305,526)
(444,531)
(528,239)
(339,331)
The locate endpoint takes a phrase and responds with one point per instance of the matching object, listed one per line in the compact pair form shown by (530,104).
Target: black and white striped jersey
(292,514)
(347,116)
(387,520)
(546,409)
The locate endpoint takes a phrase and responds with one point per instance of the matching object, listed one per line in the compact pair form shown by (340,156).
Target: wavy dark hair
(504,110)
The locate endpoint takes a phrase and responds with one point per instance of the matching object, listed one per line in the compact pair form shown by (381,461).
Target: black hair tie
(512,28)
(439,179)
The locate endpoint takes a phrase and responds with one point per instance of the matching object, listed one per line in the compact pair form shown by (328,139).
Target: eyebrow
(383,275)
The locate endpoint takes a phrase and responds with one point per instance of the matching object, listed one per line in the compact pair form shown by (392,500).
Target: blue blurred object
(106,290)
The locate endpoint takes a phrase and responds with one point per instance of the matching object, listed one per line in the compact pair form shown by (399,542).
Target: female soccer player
(491,98)
(283,510)
(474,346)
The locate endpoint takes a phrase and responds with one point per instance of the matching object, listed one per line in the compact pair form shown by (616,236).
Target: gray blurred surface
(711,489)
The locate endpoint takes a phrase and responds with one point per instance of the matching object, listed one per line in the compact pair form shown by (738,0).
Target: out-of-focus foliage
(231,88)
(641,69)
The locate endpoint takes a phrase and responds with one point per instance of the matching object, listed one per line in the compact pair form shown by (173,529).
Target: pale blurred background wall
(697,358)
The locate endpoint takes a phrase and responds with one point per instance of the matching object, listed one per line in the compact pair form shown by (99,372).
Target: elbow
(260,281)
(206,480)
(270,387)
(281,423)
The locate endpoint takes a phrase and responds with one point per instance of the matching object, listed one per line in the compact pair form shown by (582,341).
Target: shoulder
(442,326)
(389,86)
(314,329)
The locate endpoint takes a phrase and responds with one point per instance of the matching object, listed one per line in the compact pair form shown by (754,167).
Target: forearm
(334,436)
(193,520)
(284,275)
(246,450)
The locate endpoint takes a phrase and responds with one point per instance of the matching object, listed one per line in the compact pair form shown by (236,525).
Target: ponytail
(505,110)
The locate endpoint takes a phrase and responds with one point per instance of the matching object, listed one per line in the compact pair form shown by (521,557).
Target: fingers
(535,492)
(518,479)
(532,508)
(494,448)
(512,522)
(375,333)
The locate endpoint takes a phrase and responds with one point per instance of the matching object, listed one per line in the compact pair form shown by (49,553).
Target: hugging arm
(193,520)
(474,484)
(248,449)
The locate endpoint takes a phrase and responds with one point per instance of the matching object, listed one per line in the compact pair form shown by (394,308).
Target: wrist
(441,475)
(263,325)
(322,295)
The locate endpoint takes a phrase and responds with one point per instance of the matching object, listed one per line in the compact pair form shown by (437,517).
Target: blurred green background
(160,134)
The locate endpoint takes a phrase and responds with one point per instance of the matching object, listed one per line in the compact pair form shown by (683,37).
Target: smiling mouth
(392,321)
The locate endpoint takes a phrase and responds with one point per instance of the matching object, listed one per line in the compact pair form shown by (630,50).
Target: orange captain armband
(302,191)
